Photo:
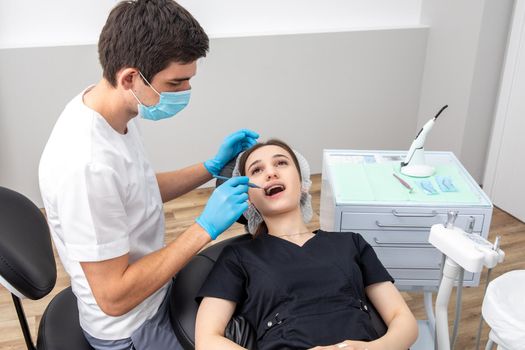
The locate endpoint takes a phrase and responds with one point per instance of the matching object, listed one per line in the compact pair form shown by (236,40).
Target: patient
(298,289)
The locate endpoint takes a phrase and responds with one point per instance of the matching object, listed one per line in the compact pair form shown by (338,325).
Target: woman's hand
(347,345)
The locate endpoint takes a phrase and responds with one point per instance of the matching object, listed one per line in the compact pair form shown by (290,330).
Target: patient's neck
(287,223)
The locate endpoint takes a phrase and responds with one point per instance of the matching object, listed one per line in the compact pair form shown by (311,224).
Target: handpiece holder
(415,164)
(462,250)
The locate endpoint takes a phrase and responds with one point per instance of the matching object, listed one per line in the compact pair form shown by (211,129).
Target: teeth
(270,190)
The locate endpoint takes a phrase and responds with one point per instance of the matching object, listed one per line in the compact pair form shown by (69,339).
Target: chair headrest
(27,264)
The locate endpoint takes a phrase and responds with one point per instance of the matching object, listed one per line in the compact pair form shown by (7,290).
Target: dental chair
(183,307)
(504,311)
(28,270)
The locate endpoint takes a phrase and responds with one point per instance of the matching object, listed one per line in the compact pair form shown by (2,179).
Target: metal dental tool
(252,185)
(404,183)
(414,163)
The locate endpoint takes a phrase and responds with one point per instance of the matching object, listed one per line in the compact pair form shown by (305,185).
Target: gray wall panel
(355,89)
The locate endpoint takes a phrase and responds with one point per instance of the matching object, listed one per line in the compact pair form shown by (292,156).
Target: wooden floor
(181,213)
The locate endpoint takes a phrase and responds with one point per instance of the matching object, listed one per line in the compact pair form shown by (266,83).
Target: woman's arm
(402,326)
(212,318)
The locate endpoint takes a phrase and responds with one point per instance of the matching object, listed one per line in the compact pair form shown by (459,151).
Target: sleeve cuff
(97,252)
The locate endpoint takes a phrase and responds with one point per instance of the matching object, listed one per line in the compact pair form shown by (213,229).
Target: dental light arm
(414,163)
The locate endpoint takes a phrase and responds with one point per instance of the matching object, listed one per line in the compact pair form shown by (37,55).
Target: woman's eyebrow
(257,161)
(274,156)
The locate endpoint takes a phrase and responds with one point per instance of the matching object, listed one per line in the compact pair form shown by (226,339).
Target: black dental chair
(28,270)
(189,280)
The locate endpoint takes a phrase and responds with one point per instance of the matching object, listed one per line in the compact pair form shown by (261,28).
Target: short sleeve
(372,269)
(226,280)
(90,207)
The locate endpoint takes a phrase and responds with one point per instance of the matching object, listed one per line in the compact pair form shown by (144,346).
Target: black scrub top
(299,297)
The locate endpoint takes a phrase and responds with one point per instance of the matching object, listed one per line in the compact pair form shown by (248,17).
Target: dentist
(102,198)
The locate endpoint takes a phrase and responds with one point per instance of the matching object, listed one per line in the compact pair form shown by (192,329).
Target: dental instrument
(427,187)
(445,184)
(252,185)
(414,163)
(404,183)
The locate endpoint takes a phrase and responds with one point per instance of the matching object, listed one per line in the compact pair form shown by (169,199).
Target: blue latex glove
(232,145)
(225,205)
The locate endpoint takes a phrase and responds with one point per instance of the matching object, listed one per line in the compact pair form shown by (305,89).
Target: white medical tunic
(102,201)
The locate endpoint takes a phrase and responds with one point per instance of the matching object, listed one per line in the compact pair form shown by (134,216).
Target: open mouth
(274,189)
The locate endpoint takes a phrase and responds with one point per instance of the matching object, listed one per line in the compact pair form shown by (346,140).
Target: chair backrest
(183,307)
(27,264)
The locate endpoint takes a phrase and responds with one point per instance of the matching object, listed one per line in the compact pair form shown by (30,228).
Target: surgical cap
(252,214)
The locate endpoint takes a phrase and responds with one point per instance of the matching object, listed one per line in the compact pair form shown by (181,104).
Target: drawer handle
(415,215)
(377,241)
(402,226)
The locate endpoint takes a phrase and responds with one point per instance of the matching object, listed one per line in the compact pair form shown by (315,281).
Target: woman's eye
(255,171)
(282,162)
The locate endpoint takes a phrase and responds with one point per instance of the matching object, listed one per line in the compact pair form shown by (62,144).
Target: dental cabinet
(360,194)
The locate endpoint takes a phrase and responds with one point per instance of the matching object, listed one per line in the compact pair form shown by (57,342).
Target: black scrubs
(299,297)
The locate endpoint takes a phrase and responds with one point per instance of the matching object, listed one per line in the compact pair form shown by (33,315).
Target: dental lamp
(414,164)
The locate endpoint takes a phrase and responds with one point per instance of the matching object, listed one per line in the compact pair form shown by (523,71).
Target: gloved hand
(225,205)
(232,145)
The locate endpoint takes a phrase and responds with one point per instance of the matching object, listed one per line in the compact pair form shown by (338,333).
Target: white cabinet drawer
(401,275)
(395,238)
(409,258)
(404,221)
(407,239)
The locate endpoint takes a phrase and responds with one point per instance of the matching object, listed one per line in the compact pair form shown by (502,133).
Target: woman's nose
(271,173)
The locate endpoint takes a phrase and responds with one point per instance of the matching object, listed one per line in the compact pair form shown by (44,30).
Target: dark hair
(244,157)
(149,35)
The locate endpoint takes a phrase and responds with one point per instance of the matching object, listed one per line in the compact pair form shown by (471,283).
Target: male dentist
(102,198)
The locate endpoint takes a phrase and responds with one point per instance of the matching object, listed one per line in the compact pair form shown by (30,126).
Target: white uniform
(102,201)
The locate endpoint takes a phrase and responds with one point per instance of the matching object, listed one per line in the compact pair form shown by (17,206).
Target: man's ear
(127,78)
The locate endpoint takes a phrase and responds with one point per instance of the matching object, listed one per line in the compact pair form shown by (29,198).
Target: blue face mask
(170,103)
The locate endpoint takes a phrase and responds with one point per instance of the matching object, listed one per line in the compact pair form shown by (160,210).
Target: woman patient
(298,289)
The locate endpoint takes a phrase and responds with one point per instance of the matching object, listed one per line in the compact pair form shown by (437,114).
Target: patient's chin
(274,209)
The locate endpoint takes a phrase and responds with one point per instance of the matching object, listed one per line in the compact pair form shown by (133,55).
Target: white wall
(382,86)
(34,23)
(505,169)
(48,54)
(466,46)
(231,18)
